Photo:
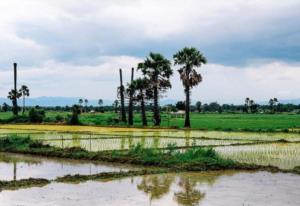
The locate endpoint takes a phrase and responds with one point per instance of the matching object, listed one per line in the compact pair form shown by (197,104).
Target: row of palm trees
(156,72)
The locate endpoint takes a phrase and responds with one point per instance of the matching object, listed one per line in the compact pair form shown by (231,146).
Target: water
(185,189)
(15,167)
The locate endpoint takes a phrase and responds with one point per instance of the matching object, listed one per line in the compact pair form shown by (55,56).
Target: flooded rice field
(16,167)
(253,148)
(184,189)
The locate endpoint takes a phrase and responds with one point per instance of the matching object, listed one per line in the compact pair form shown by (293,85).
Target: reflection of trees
(15,171)
(189,194)
(156,185)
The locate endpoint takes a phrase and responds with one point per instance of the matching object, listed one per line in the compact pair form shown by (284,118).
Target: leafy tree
(189,58)
(180,105)
(36,115)
(273,103)
(5,107)
(198,106)
(157,69)
(116,105)
(24,91)
(74,120)
(13,95)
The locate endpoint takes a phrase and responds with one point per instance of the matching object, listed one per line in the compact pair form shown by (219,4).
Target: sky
(75,48)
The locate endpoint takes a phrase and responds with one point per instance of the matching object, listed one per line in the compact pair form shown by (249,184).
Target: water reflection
(15,167)
(156,186)
(186,192)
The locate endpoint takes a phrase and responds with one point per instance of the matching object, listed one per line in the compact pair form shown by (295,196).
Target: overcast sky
(74,48)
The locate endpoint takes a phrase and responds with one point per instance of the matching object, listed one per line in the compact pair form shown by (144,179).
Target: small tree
(5,107)
(24,91)
(74,119)
(100,103)
(198,106)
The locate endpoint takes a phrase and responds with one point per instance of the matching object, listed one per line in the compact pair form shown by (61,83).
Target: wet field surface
(209,188)
(16,167)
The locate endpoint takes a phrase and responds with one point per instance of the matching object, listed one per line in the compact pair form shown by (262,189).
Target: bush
(36,115)
(59,118)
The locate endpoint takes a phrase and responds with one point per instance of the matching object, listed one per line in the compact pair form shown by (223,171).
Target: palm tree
(85,104)
(158,70)
(13,95)
(189,58)
(140,87)
(24,91)
(247,101)
(272,103)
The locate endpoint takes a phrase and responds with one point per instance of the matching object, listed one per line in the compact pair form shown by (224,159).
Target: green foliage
(74,120)
(36,115)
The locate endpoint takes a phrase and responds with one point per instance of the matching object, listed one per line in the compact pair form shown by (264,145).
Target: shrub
(36,115)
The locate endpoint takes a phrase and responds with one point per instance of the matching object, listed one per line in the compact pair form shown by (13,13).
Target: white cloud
(220,83)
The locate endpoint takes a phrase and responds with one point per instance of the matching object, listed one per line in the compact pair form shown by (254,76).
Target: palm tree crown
(189,58)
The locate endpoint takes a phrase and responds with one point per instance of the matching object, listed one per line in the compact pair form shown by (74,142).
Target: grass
(191,159)
(224,122)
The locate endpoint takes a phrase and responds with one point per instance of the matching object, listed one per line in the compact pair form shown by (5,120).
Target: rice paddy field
(276,149)
(204,121)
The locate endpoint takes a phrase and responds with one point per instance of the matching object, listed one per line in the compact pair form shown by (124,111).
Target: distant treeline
(212,107)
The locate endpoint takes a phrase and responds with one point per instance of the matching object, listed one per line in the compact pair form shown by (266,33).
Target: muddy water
(15,167)
(187,189)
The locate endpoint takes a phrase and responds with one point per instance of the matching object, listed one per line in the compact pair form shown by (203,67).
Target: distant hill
(55,101)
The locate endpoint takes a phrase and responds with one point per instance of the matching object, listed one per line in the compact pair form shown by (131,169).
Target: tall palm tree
(139,86)
(24,91)
(189,58)
(158,70)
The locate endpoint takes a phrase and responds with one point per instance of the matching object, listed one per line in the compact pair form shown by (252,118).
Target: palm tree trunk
(187,107)
(123,113)
(143,111)
(130,105)
(155,107)
(23,105)
(14,102)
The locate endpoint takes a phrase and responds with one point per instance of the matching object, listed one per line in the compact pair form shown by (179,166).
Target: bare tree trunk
(187,107)
(123,113)
(155,107)
(143,111)
(23,104)
(14,101)
(130,105)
